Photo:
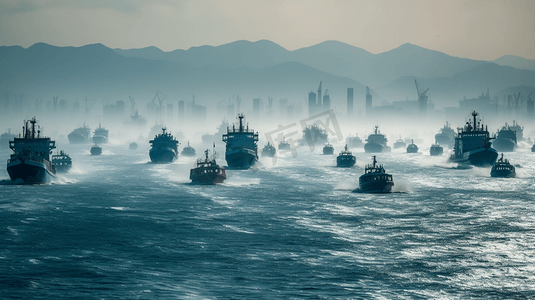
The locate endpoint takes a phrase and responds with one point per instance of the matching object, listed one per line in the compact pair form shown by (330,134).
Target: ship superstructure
(473,146)
(164,148)
(80,135)
(100,136)
(345,159)
(30,161)
(503,168)
(505,139)
(376,142)
(62,162)
(375,179)
(241,148)
(207,171)
(446,136)
(268,150)
(519,130)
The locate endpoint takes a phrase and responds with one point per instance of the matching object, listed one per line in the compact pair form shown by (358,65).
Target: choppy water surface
(117,226)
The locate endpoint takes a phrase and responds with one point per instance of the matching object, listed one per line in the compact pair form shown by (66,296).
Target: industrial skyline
(484,30)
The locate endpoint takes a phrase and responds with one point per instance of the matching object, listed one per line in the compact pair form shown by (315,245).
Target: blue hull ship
(30,162)
(473,146)
(241,149)
(164,148)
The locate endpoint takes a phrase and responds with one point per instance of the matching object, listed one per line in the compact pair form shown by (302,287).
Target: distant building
(169,111)
(311,104)
(110,112)
(181,111)
(326,101)
(256,107)
(350,101)
(368,100)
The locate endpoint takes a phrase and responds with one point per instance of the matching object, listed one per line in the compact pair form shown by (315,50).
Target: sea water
(117,226)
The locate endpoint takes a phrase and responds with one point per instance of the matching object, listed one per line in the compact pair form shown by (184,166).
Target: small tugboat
(503,168)
(62,162)
(328,149)
(284,145)
(473,146)
(399,144)
(164,148)
(412,148)
(188,151)
(96,150)
(376,142)
(207,171)
(241,150)
(436,149)
(133,146)
(30,161)
(345,159)
(375,179)
(505,139)
(100,136)
(268,150)
(354,141)
(80,135)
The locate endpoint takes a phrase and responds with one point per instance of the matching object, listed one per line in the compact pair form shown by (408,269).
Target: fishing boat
(207,171)
(345,159)
(375,179)
(502,168)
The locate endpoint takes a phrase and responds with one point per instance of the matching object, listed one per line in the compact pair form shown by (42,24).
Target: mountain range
(252,69)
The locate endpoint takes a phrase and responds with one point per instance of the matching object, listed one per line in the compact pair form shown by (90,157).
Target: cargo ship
(207,171)
(400,144)
(446,136)
(241,148)
(62,162)
(80,135)
(505,140)
(313,135)
(354,141)
(30,162)
(376,142)
(100,136)
(375,179)
(473,146)
(284,145)
(164,148)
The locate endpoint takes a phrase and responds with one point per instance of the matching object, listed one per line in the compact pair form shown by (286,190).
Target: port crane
(422,98)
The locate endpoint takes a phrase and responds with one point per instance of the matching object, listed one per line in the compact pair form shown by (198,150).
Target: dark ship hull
(240,159)
(208,178)
(412,149)
(100,139)
(481,157)
(30,172)
(96,151)
(76,138)
(502,173)
(268,152)
(62,168)
(187,152)
(345,162)
(375,148)
(503,145)
(436,151)
(163,156)
(328,150)
(376,187)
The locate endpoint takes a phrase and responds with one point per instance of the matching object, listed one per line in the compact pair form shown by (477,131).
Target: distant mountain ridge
(334,57)
(516,62)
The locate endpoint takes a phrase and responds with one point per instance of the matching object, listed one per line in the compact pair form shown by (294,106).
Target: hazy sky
(474,29)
